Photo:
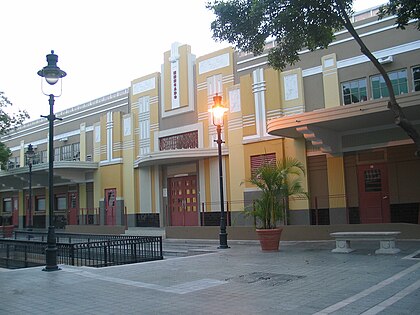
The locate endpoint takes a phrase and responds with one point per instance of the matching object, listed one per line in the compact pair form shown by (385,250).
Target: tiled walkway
(303,278)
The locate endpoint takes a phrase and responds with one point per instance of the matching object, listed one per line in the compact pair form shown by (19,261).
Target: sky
(102,44)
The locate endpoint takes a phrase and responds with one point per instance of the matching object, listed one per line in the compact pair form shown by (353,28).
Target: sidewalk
(303,278)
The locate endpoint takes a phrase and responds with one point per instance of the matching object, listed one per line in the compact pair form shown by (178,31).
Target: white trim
(109,142)
(314,70)
(175,131)
(64,121)
(111,162)
(407,47)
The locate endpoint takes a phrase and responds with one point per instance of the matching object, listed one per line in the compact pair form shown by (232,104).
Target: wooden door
(110,206)
(183,203)
(72,208)
(373,193)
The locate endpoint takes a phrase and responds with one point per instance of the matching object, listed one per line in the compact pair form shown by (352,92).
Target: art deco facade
(146,156)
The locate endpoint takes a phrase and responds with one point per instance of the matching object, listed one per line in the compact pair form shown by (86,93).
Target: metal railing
(109,251)
(64,237)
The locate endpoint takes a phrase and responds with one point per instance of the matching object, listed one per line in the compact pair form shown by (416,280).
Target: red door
(110,205)
(15,213)
(183,203)
(373,193)
(72,208)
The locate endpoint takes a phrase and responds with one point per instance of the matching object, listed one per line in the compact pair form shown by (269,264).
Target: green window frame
(416,78)
(354,91)
(399,84)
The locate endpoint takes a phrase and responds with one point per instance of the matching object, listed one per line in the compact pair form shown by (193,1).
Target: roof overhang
(177,156)
(65,172)
(326,128)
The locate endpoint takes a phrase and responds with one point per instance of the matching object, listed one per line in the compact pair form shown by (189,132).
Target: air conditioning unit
(385,60)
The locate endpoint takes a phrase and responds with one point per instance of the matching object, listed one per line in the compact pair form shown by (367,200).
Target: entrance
(72,208)
(373,193)
(183,202)
(110,206)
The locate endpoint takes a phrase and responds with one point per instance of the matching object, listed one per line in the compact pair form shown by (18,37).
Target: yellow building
(146,156)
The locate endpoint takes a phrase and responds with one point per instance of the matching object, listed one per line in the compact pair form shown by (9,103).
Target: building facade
(146,155)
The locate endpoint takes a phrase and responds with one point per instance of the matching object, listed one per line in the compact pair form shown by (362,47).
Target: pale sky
(102,44)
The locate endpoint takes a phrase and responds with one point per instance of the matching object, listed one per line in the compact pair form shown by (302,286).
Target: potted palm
(277,182)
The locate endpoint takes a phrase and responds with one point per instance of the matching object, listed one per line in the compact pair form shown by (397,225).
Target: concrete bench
(386,241)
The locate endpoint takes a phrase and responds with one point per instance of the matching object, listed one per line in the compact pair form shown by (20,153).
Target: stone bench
(386,241)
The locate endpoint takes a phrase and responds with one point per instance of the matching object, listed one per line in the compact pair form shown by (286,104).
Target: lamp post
(30,158)
(52,74)
(218,112)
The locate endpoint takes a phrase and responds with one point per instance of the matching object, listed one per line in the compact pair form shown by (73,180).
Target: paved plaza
(302,278)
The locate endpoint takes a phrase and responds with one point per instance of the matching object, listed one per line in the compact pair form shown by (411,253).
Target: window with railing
(188,140)
(69,152)
(66,154)
(399,84)
(14,162)
(75,148)
(354,91)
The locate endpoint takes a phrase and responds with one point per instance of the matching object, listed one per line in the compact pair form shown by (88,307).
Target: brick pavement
(303,278)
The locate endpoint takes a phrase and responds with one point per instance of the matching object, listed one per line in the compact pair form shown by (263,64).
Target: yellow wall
(82,196)
(272,93)
(184,54)
(336,182)
(330,81)
(112,178)
(300,100)
(128,173)
(83,142)
(248,107)
(258,148)
(296,148)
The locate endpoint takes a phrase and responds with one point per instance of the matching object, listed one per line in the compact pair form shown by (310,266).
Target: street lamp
(30,153)
(218,112)
(52,74)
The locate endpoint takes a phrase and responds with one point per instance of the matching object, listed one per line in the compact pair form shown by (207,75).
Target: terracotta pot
(269,238)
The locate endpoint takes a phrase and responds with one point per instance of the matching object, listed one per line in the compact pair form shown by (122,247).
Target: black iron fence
(116,250)
(63,237)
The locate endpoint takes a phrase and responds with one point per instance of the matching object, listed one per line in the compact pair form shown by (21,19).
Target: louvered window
(258,160)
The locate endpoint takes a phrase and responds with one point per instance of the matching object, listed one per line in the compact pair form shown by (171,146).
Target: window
(354,91)
(14,162)
(188,140)
(43,156)
(61,202)
(214,85)
(259,160)
(416,78)
(75,147)
(144,125)
(398,80)
(40,204)
(373,180)
(66,154)
(57,154)
(7,205)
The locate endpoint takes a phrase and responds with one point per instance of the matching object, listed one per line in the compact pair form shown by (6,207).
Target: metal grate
(265,278)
